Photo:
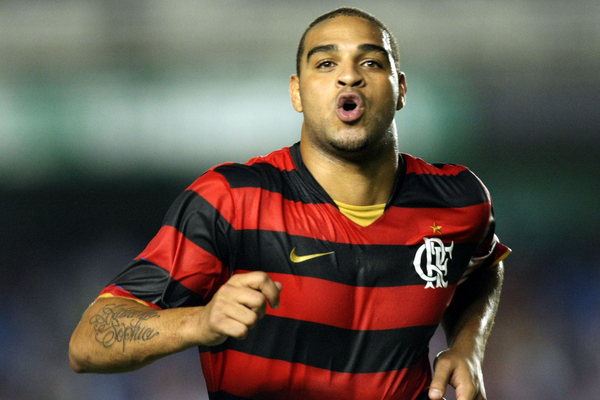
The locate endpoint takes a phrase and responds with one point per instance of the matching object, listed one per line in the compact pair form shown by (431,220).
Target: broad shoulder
(254,173)
(415,165)
(454,183)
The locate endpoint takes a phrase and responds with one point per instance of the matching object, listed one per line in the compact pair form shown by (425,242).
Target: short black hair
(348,12)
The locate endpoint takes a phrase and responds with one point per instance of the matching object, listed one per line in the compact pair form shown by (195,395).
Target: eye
(326,64)
(372,64)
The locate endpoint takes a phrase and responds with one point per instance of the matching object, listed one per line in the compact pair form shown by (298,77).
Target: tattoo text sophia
(118,323)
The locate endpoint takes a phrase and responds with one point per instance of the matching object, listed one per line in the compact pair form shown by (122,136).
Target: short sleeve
(489,252)
(189,258)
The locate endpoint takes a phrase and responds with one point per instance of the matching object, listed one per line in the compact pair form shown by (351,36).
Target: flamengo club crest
(433,265)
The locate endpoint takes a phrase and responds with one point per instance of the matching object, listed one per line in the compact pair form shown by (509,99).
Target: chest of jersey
(357,302)
(400,271)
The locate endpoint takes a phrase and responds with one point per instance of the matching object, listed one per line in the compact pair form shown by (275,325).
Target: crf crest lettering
(436,262)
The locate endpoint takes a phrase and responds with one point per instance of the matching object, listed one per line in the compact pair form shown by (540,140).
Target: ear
(402,91)
(295,93)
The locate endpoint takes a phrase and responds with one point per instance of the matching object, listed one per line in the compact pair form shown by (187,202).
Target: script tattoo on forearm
(120,323)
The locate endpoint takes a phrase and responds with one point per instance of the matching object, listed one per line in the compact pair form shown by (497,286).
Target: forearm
(119,335)
(469,319)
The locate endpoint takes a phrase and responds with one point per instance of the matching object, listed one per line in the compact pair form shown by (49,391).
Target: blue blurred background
(109,109)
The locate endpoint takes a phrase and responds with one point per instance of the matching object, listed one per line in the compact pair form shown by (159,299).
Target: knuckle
(253,321)
(443,363)
(215,318)
(251,318)
(242,332)
(256,299)
(224,290)
(218,304)
(262,277)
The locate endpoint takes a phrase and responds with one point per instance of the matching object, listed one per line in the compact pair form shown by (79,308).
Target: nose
(350,76)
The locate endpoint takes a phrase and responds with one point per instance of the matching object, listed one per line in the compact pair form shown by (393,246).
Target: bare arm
(467,324)
(117,334)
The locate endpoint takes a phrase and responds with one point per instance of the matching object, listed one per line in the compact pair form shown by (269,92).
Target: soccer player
(322,270)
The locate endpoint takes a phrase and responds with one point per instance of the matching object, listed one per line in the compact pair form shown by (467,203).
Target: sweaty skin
(352,154)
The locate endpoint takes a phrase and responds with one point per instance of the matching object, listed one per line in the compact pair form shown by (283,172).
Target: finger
(233,328)
(235,303)
(465,390)
(223,318)
(465,385)
(261,282)
(436,394)
(467,395)
(245,296)
(441,377)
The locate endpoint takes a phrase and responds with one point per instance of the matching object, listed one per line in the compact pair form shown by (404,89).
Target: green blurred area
(125,125)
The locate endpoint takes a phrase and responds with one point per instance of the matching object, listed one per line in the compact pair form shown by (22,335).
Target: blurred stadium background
(108,109)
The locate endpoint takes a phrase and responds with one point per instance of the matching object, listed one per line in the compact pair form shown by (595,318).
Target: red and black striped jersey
(359,304)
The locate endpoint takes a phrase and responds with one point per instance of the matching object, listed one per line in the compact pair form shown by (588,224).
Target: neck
(355,181)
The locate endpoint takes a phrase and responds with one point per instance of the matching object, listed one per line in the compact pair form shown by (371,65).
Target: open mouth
(350,107)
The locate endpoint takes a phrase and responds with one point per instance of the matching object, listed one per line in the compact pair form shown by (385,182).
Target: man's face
(348,88)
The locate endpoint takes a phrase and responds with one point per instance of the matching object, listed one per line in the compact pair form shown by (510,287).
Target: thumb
(439,383)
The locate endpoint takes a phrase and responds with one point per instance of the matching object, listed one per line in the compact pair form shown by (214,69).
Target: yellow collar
(362,215)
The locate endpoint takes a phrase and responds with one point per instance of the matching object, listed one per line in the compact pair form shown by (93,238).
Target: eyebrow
(365,48)
(328,48)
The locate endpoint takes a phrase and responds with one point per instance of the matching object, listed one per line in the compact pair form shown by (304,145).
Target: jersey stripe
(355,320)
(326,222)
(204,225)
(175,253)
(215,189)
(266,177)
(243,376)
(152,284)
(441,191)
(317,300)
(329,347)
(357,265)
(415,165)
(113,291)
(282,159)
(423,185)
